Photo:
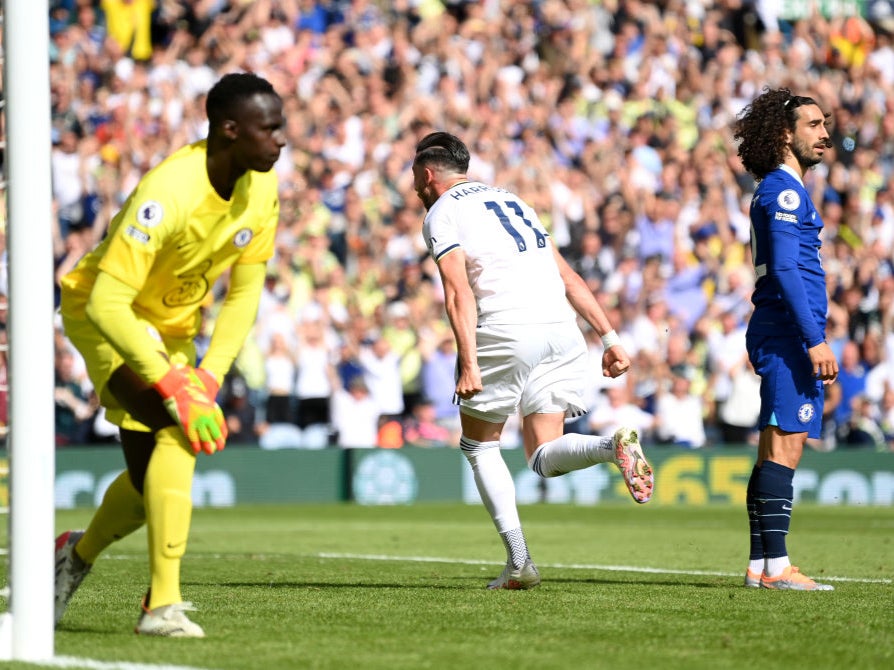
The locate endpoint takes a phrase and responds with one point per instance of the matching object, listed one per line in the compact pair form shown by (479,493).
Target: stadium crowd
(611,117)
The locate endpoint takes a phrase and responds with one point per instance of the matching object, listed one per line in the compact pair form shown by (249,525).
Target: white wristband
(610,339)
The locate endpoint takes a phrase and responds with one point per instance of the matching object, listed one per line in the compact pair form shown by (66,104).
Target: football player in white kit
(511,300)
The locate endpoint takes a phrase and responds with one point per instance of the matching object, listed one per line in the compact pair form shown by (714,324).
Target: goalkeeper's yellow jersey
(174,237)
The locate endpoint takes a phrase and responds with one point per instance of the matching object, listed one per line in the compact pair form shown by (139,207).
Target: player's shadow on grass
(113,630)
(350,585)
(459,583)
(601,581)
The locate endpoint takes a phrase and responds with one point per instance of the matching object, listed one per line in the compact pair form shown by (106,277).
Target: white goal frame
(26,630)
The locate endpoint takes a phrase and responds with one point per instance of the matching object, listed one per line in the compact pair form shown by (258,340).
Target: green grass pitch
(352,587)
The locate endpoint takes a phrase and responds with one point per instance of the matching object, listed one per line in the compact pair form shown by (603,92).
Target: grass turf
(624,586)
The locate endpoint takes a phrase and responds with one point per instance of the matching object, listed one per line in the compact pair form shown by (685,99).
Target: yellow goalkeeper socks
(120,514)
(168,496)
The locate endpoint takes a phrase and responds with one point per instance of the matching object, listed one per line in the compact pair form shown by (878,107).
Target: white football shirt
(509,256)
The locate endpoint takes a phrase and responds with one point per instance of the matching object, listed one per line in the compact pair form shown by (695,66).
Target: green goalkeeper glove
(187,400)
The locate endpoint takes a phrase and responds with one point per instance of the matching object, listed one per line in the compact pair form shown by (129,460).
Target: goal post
(26,630)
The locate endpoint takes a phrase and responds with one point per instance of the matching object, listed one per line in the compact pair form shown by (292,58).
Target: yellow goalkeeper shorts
(102,360)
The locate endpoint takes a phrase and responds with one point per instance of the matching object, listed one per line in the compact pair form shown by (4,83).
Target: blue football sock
(756,552)
(773,493)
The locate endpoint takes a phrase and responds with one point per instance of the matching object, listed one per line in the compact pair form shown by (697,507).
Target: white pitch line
(92,664)
(560,566)
(575,566)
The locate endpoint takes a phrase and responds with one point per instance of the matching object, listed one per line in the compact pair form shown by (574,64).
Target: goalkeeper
(131,307)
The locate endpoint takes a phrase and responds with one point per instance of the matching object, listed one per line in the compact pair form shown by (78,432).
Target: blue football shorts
(791,395)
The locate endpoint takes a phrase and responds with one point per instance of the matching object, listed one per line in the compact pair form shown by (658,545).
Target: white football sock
(494,482)
(571,452)
(776,566)
(516,547)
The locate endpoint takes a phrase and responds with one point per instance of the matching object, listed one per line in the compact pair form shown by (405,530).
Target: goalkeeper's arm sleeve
(236,318)
(110,309)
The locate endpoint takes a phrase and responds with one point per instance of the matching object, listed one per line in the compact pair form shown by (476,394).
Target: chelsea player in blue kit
(781,137)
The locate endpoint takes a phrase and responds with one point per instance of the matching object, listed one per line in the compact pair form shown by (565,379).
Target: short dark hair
(231,91)
(444,150)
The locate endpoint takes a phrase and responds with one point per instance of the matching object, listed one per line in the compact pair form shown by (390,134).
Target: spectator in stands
(355,416)
(635,119)
(403,339)
(279,363)
(381,372)
(886,422)
(591,261)
(733,293)
(679,413)
(615,409)
(438,375)
(422,429)
(831,434)
(75,408)
(240,415)
(655,224)
(881,377)
(684,290)
(864,425)
(650,328)
(314,360)
(130,24)
(738,413)
(851,380)
(68,173)
(726,355)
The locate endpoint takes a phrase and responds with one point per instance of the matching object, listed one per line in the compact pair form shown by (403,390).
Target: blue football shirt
(790,294)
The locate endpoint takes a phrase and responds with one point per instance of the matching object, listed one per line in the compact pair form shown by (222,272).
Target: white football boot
(527,577)
(70,570)
(168,621)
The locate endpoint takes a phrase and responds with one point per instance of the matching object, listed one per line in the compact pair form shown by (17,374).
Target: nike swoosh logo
(174,546)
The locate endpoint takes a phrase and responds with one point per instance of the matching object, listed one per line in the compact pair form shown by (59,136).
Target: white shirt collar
(792,172)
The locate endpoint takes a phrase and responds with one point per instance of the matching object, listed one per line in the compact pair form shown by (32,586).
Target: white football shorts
(535,368)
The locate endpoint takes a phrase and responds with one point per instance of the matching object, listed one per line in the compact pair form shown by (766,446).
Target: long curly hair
(761,126)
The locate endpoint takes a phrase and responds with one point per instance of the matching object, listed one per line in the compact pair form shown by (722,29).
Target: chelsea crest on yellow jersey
(175,236)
